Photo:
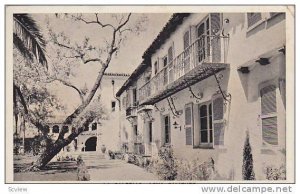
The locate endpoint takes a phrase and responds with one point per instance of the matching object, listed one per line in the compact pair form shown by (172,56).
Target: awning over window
(199,73)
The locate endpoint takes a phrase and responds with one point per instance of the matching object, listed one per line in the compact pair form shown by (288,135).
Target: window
(66,128)
(134,97)
(94,126)
(47,129)
(167,129)
(150,131)
(253,18)
(113,106)
(203,42)
(165,63)
(188,115)
(206,129)
(155,67)
(269,115)
(55,129)
(135,130)
(211,115)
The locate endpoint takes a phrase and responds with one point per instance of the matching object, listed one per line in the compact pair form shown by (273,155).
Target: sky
(127,59)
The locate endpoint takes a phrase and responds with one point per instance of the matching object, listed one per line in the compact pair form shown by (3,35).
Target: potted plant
(103,148)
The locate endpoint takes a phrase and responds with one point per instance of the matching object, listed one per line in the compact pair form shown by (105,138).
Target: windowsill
(210,147)
(203,147)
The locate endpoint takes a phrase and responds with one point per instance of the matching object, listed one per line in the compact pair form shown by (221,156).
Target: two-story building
(101,131)
(205,81)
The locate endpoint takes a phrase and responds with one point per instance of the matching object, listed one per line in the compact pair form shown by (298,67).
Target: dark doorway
(90,144)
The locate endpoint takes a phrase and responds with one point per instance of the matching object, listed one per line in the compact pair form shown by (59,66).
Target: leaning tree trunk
(61,142)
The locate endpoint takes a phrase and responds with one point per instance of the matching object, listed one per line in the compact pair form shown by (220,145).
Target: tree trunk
(55,148)
(60,143)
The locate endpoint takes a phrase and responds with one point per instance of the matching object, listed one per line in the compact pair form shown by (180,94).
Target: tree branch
(95,22)
(69,85)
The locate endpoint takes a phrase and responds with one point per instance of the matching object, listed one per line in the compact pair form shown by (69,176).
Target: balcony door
(203,40)
(208,39)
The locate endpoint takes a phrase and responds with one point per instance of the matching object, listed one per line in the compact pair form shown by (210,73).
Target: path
(102,169)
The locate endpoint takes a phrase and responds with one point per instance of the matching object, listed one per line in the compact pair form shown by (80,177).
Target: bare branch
(95,22)
(124,23)
(69,85)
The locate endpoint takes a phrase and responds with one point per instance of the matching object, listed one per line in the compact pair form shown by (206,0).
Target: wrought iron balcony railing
(206,49)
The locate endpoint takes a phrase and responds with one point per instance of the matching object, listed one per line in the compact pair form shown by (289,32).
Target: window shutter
(215,41)
(218,122)
(269,130)
(219,133)
(253,18)
(188,136)
(268,100)
(218,108)
(188,125)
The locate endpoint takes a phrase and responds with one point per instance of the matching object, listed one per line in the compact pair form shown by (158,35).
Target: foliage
(28,39)
(248,169)
(166,165)
(274,173)
(29,78)
(40,143)
(195,170)
(68,53)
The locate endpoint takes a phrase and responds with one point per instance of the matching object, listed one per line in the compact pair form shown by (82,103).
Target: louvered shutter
(186,44)
(188,125)
(219,133)
(218,108)
(170,62)
(269,130)
(269,116)
(215,41)
(268,100)
(218,122)
(253,18)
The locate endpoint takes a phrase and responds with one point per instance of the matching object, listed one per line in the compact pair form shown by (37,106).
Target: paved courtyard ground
(100,169)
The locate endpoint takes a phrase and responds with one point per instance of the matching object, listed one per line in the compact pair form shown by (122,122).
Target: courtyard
(100,169)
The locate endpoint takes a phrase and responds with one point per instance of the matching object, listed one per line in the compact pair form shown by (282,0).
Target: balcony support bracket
(226,97)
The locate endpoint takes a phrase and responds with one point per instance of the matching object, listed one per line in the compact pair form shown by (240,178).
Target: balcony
(198,61)
(131,111)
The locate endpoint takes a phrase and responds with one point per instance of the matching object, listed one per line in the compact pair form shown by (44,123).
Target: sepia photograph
(149,94)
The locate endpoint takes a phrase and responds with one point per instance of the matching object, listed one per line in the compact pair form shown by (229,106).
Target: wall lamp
(176,126)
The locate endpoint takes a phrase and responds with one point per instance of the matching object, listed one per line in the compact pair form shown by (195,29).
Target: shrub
(195,170)
(273,173)
(166,166)
(248,172)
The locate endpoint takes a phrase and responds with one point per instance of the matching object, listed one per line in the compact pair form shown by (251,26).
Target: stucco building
(101,131)
(206,80)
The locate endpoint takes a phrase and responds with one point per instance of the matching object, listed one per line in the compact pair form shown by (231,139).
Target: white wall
(244,111)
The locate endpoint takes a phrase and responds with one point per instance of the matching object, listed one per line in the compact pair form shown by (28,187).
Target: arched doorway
(90,144)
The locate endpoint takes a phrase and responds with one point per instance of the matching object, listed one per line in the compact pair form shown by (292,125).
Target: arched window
(55,129)
(66,128)
(94,126)
(47,129)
